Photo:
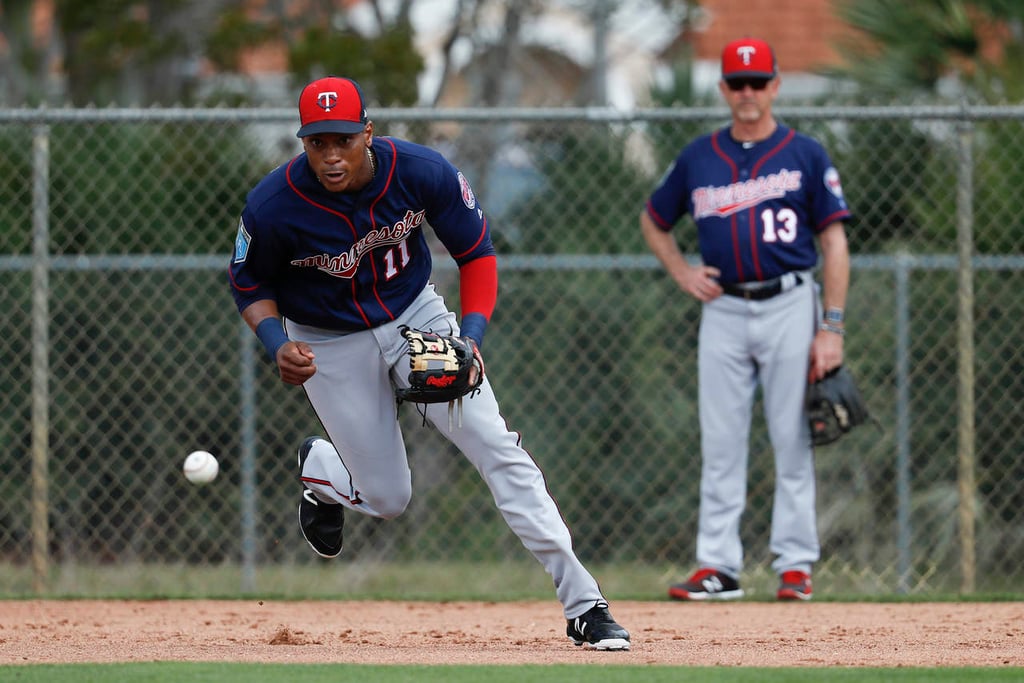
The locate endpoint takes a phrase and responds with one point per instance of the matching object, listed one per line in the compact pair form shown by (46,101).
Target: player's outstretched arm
(295,360)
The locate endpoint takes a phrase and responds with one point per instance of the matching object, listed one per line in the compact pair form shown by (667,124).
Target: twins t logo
(745,52)
(326,100)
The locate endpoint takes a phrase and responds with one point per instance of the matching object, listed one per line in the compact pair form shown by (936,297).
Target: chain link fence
(121,352)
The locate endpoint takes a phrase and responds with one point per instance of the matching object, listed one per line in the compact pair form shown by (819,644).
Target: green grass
(304,673)
(435,581)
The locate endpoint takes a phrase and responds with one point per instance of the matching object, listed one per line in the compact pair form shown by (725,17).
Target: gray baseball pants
(353,395)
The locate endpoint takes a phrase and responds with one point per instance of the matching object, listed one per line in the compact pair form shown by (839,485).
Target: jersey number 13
(779,227)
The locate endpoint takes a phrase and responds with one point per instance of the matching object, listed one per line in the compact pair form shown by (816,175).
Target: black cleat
(321,523)
(598,630)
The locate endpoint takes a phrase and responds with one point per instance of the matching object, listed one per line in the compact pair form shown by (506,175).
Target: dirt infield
(729,634)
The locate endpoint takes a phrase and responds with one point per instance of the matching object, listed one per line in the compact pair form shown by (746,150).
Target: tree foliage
(111,46)
(140,53)
(911,47)
(385,66)
(175,52)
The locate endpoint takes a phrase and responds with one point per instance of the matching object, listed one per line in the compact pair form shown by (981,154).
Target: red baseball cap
(748,58)
(331,105)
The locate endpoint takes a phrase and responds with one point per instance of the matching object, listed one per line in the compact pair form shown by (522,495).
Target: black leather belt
(758,291)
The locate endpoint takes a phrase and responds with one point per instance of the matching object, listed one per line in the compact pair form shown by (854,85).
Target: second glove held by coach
(834,406)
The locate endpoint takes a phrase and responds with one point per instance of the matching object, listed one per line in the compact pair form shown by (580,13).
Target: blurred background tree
(972,49)
(186,52)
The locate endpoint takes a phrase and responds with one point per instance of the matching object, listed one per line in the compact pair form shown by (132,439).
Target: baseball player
(760,194)
(330,264)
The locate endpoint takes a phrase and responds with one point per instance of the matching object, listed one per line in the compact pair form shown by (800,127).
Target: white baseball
(200,467)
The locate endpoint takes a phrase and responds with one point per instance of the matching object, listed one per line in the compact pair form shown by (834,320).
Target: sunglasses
(737,84)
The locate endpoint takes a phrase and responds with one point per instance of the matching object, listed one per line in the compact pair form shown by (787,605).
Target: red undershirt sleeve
(478,290)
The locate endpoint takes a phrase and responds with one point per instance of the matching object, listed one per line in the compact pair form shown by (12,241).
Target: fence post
(904,535)
(40,357)
(247,401)
(965,355)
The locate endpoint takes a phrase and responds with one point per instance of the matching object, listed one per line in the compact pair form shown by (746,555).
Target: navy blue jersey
(757,206)
(352,261)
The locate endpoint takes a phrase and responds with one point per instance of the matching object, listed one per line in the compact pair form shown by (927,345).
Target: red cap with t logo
(331,105)
(748,58)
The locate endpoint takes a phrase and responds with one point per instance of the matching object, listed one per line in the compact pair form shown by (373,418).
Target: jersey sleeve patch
(468,198)
(242,240)
(832,182)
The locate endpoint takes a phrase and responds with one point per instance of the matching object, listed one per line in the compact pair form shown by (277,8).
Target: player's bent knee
(391,513)
(390,505)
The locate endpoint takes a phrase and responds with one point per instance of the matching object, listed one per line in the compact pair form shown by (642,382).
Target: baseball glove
(440,367)
(834,406)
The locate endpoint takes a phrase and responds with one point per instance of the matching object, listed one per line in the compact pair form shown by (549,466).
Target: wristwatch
(834,316)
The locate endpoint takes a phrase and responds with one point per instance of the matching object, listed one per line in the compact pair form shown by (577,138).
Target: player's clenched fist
(295,362)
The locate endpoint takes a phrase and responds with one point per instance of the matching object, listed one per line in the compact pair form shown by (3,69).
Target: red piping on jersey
(734,229)
(838,215)
(355,235)
(387,184)
(753,223)
(660,222)
(483,233)
(241,289)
